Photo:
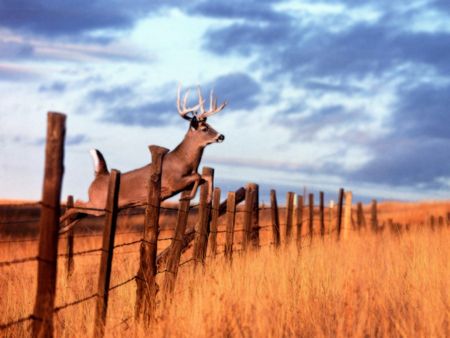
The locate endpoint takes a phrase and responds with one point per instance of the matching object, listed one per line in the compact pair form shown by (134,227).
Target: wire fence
(187,262)
(313,231)
(14,322)
(265,227)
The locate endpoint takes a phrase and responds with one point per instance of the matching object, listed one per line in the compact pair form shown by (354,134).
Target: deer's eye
(204,128)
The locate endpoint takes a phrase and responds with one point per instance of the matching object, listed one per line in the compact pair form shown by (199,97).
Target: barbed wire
(87,208)
(85,299)
(34,220)
(20,240)
(127,244)
(76,302)
(64,237)
(101,234)
(145,204)
(84,252)
(4,326)
(166,238)
(122,283)
(18,261)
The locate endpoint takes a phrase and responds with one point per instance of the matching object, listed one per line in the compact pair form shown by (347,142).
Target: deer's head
(199,130)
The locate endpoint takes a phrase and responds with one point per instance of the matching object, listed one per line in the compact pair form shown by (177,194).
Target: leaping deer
(180,166)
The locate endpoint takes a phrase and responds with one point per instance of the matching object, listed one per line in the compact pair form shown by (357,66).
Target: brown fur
(180,168)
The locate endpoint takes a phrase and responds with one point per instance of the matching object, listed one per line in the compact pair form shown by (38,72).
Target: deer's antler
(183,111)
(213,109)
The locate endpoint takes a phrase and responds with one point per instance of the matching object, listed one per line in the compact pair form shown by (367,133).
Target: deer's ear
(194,123)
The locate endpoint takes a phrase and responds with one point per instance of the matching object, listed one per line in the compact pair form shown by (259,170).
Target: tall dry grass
(385,285)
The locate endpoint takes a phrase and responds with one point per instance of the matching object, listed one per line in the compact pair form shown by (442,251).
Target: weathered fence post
(289,215)
(254,235)
(432,223)
(322,214)
(49,226)
(339,212)
(189,236)
(251,219)
(311,216)
(231,216)
(441,221)
(360,219)
(347,214)
(109,233)
(202,227)
(214,220)
(275,218)
(146,285)
(300,204)
(70,239)
(176,247)
(374,216)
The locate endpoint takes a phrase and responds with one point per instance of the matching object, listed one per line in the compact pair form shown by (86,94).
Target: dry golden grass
(385,285)
(412,213)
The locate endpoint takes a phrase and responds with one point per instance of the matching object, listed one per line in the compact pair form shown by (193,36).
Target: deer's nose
(220,138)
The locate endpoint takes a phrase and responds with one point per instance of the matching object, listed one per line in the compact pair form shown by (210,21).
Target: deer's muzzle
(220,138)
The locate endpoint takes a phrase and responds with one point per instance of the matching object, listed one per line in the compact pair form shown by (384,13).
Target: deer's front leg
(201,180)
(196,179)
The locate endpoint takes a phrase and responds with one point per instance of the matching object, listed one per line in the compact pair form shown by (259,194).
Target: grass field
(371,285)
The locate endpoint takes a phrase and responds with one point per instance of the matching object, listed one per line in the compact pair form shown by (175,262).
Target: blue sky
(321,94)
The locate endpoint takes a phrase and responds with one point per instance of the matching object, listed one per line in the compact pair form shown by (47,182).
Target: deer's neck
(189,153)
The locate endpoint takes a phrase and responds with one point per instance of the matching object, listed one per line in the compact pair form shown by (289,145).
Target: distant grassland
(22,217)
(368,286)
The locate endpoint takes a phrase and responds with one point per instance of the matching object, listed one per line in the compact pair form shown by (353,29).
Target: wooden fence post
(231,216)
(215,211)
(441,221)
(254,235)
(176,247)
(275,218)
(109,233)
(300,205)
(311,216)
(70,239)
(322,214)
(202,227)
(374,216)
(146,285)
(251,219)
(339,212)
(49,226)
(360,219)
(347,214)
(432,223)
(289,215)
(189,236)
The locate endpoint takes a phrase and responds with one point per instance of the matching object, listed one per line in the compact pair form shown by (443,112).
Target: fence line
(18,261)
(169,261)
(7,325)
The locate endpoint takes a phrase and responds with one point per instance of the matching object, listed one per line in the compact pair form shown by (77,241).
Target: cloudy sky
(321,94)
